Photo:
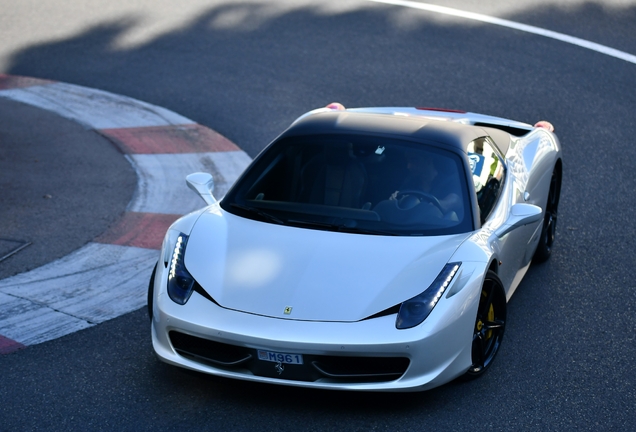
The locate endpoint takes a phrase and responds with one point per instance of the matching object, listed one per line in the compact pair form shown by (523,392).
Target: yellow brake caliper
(491,317)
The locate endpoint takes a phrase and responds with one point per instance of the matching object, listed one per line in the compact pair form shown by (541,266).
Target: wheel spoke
(546,223)
(491,325)
(479,350)
(553,228)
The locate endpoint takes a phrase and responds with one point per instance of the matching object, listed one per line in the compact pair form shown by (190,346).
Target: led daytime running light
(445,284)
(177,255)
(180,281)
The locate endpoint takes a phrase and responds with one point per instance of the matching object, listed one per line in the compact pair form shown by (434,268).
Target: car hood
(305,274)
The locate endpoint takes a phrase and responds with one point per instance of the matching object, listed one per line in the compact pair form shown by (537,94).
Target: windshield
(360,184)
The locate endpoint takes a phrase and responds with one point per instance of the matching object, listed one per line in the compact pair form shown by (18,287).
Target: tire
(490,324)
(548,232)
(151,291)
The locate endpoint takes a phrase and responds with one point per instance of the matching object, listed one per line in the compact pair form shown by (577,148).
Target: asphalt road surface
(63,172)
(247,69)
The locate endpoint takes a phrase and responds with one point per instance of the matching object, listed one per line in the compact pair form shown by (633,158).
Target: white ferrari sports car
(363,249)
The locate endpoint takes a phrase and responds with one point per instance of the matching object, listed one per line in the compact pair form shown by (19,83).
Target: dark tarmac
(51,171)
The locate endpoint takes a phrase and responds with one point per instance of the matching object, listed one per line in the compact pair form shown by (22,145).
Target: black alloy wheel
(489,325)
(548,233)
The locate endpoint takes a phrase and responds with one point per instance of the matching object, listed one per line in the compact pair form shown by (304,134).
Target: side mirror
(520,215)
(202,184)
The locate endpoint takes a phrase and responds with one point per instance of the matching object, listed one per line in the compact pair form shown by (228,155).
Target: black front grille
(341,369)
(215,353)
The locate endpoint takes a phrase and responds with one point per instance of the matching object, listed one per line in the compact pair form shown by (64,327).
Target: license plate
(280,357)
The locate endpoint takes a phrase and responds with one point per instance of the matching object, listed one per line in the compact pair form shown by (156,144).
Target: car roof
(447,133)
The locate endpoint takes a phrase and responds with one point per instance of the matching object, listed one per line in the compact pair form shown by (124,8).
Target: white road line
(513,25)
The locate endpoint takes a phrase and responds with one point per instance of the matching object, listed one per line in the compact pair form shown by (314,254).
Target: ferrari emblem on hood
(288,310)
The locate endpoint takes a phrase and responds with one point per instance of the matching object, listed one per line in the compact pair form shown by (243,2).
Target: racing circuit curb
(108,277)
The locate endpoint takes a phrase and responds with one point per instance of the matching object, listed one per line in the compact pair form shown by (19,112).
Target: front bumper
(204,337)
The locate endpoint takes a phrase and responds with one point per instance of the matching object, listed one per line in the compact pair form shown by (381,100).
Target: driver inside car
(425,183)
(427,192)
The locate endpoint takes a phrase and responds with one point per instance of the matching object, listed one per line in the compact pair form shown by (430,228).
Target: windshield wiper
(267,216)
(358,230)
(340,227)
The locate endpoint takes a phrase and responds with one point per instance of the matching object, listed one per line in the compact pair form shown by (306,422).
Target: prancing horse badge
(288,310)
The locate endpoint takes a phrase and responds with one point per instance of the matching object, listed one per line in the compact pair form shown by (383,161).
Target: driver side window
(488,174)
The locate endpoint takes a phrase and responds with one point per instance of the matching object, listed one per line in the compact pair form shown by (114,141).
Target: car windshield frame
(355,183)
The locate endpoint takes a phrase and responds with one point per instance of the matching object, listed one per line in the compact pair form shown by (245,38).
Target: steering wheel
(419,194)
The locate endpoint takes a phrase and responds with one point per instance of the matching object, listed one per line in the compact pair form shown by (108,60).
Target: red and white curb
(109,276)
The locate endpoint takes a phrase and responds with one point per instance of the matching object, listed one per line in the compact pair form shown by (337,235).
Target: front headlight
(414,311)
(180,281)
